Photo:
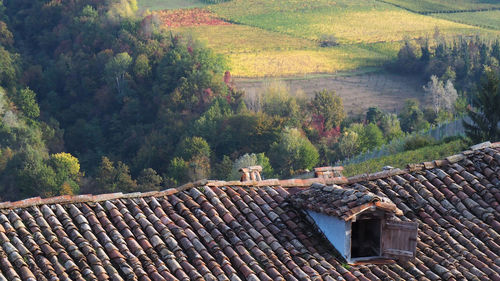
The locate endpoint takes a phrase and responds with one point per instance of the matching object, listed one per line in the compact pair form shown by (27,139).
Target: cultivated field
(255,52)
(430,6)
(154,5)
(351,21)
(487,19)
(358,92)
(277,38)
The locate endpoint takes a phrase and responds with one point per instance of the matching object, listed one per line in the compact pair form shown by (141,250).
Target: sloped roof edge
(287,183)
(34,201)
(422,166)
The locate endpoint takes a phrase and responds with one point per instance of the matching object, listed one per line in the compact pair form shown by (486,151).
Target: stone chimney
(251,173)
(328,172)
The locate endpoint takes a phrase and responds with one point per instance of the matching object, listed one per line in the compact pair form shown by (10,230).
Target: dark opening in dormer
(362,226)
(365,238)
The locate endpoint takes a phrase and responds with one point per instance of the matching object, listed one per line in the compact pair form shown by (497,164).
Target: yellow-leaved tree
(121,9)
(67,169)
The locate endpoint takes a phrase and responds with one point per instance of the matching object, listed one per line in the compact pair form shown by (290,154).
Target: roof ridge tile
(286,183)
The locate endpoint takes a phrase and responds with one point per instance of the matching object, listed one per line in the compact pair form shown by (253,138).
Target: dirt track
(359,92)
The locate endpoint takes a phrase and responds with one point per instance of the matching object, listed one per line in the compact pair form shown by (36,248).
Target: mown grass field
(292,62)
(255,52)
(282,38)
(237,38)
(429,6)
(488,19)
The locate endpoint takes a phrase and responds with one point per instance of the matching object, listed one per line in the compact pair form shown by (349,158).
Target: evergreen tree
(485,115)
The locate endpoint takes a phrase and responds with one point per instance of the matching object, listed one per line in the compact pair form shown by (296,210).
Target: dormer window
(365,238)
(362,226)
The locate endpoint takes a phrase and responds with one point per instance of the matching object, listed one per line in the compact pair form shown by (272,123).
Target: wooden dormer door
(399,239)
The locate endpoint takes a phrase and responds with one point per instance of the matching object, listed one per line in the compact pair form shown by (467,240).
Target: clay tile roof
(231,231)
(337,201)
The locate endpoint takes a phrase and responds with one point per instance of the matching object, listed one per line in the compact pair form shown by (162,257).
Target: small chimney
(328,172)
(251,173)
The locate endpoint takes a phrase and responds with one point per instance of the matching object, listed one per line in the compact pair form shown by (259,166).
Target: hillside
(97,97)
(286,38)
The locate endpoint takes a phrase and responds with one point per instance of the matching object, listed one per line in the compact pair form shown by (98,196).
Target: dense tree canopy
(95,98)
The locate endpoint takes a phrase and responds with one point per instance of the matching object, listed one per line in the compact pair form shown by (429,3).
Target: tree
(293,152)
(149,180)
(8,68)
(116,69)
(407,58)
(121,9)
(248,160)
(390,126)
(32,175)
(192,147)
(178,170)
(349,144)
(369,136)
(196,152)
(485,116)
(26,100)
(6,38)
(189,74)
(206,125)
(451,96)
(222,170)
(278,101)
(66,163)
(329,106)
(113,177)
(67,169)
(372,136)
(374,115)
(141,66)
(443,96)
(412,118)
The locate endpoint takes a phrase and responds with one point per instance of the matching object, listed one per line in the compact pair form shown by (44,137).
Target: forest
(95,98)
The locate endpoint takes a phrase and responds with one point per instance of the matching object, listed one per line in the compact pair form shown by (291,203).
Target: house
(266,230)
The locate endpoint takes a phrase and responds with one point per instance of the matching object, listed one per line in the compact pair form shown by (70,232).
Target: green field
(282,37)
(255,52)
(429,6)
(487,19)
(154,5)
(351,21)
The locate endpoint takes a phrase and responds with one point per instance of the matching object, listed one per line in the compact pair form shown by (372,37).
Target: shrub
(418,142)
(292,153)
(328,41)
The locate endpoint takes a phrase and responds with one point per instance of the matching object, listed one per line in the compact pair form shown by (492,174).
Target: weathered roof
(342,202)
(249,231)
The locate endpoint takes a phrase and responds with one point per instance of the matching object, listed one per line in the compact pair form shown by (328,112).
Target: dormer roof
(342,202)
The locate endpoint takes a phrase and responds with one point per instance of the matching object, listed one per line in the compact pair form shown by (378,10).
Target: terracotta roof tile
(225,231)
(341,202)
